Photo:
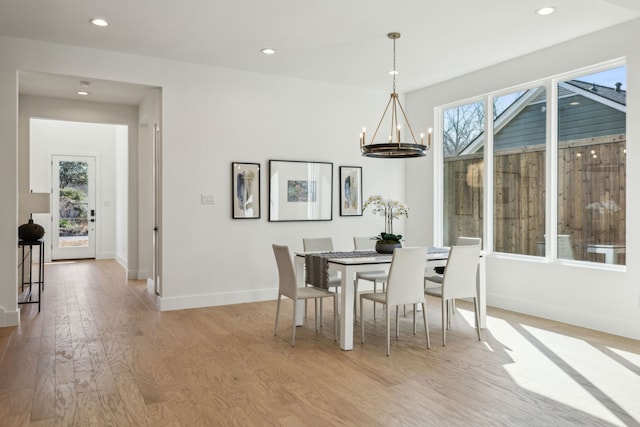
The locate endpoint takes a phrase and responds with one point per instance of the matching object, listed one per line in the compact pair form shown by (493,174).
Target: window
(589,214)
(592,167)
(519,149)
(463,171)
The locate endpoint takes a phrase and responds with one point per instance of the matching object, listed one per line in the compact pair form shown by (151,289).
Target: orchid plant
(390,210)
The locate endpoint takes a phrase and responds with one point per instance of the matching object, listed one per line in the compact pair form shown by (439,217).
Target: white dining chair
(322,244)
(404,286)
(287,287)
(379,276)
(458,281)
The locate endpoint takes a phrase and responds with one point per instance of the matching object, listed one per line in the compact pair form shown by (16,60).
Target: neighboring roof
(618,96)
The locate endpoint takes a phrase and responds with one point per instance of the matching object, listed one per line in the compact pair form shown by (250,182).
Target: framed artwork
(300,191)
(245,196)
(350,191)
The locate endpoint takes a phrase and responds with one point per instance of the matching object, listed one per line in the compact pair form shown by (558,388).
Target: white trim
(212,300)
(438,178)
(585,319)
(9,318)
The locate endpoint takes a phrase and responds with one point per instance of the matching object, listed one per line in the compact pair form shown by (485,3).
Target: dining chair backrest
(406,276)
(367,242)
(468,241)
(317,244)
(460,275)
(287,275)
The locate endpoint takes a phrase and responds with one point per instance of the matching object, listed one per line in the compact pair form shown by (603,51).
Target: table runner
(316,265)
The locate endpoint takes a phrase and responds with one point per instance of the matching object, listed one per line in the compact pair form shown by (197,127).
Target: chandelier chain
(395,72)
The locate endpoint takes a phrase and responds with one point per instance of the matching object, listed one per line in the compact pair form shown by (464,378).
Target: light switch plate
(207,199)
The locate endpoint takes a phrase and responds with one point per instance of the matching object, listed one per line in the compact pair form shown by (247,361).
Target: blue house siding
(588,119)
(526,129)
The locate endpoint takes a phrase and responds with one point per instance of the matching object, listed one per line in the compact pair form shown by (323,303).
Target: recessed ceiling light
(82,92)
(547,10)
(99,22)
(268,51)
(393,73)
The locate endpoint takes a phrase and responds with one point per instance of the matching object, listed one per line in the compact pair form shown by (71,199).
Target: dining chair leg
(275,330)
(361,322)
(444,322)
(386,312)
(426,322)
(355,300)
(315,300)
(375,289)
(397,323)
(374,304)
(293,324)
(335,318)
(477,313)
(415,307)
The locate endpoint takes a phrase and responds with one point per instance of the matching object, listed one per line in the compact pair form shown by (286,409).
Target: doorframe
(96,199)
(157,209)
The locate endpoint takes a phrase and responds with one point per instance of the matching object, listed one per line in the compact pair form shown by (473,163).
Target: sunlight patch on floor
(631,357)
(533,370)
(609,377)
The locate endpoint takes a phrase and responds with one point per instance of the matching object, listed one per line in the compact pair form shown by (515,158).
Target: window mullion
(488,175)
(551,222)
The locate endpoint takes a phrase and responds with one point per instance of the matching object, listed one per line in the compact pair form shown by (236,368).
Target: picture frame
(245,194)
(300,190)
(350,183)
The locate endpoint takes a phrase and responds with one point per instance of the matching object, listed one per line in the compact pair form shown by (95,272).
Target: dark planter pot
(387,248)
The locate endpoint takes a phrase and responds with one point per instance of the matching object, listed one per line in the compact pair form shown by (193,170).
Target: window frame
(550,84)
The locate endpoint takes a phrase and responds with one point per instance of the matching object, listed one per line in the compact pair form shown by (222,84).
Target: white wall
(55,137)
(121,208)
(595,298)
(212,117)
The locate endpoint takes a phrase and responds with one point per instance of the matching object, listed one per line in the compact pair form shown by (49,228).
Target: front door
(74,207)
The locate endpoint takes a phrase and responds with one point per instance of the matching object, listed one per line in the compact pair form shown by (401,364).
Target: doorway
(73,213)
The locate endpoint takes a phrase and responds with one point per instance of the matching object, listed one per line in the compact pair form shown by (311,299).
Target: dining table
(350,263)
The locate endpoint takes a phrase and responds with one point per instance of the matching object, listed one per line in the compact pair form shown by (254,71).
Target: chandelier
(394,148)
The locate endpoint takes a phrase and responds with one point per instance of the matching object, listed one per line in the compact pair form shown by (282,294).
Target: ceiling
(342,42)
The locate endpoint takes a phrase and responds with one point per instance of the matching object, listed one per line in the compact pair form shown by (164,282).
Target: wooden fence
(591,196)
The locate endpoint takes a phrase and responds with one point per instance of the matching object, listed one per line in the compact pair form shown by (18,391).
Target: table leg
(346,301)
(299,264)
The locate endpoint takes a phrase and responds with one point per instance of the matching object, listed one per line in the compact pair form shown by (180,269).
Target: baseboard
(106,255)
(9,318)
(122,261)
(211,300)
(590,320)
(151,286)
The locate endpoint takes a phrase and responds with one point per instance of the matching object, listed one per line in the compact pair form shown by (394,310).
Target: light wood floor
(100,353)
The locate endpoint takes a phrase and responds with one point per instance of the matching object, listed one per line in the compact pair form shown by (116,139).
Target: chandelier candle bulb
(429,137)
(422,138)
(398,133)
